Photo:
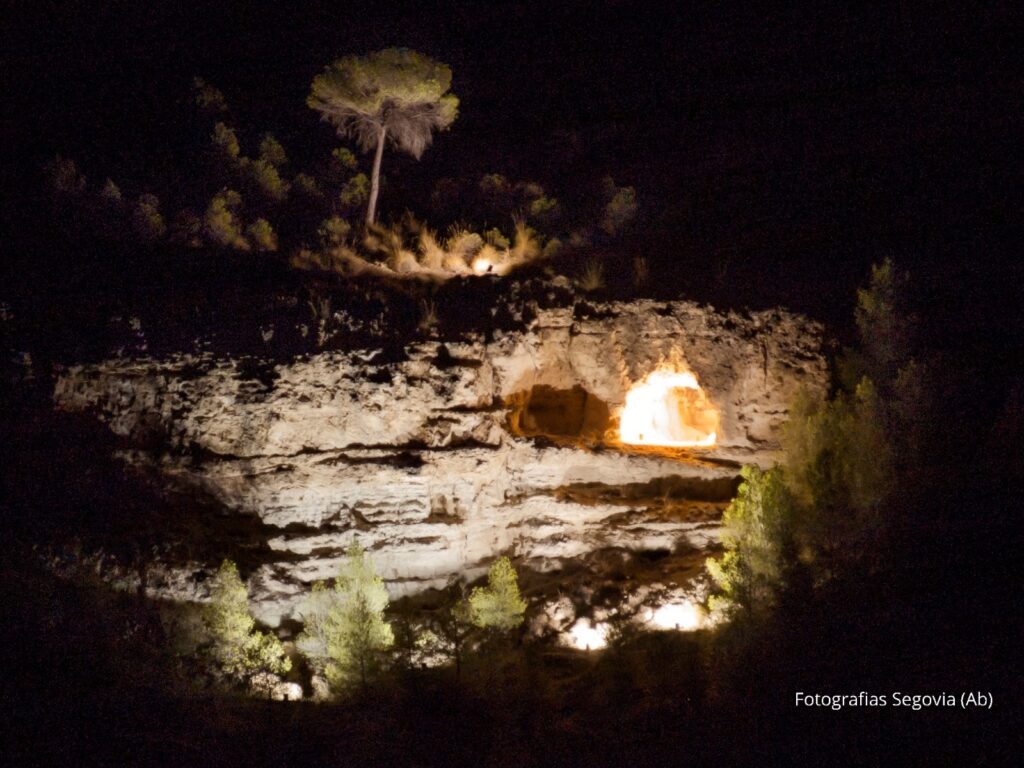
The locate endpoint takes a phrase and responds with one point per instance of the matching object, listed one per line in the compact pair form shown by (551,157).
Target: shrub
(147,221)
(307,186)
(552,248)
(344,158)
(620,209)
(238,648)
(345,632)
(271,151)
(262,235)
(757,538)
(225,142)
(463,244)
(496,192)
(264,178)
(525,244)
(222,222)
(334,231)
(499,605)
(545,210)
(110,195)
(495,237)
(388,244)
(432,255)
(355,192)
(187,229)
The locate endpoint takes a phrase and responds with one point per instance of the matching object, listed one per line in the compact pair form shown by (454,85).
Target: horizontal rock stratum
(457,451)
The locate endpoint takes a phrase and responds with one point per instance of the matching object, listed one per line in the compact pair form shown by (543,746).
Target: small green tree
(271,150)
(757,540)
(885,327)
(395,95)
(222,222)
(345,631)
(263,177)
(499,605)
(225,142)
(262,235)
(839,465)
(239,649)
(147,221)
(334,231)
(620,209)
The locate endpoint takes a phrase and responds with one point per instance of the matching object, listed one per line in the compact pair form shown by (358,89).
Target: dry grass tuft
(592,276)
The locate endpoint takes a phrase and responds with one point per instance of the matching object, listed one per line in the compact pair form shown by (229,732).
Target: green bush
(334,231)
(345,633)
(147,221)
(757,536)
(264,178)
(620,209)
(261,235)
(499,605)
(355,192)
(225,142)
(222,222)
(271,151)
(238,649)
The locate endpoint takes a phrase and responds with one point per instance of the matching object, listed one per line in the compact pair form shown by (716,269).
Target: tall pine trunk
(371,207)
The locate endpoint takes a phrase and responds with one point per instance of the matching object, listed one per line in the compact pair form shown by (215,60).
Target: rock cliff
(456,450)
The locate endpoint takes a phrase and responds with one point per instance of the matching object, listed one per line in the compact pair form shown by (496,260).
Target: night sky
(809,142)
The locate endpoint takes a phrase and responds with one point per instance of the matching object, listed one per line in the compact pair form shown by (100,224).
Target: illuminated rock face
(431,461)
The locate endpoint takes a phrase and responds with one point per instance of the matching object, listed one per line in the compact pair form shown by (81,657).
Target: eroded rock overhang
(462,449)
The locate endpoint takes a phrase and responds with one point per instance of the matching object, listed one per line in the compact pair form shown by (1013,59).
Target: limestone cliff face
(460,450)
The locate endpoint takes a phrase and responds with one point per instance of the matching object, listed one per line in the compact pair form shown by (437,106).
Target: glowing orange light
(482,266)
(668,408)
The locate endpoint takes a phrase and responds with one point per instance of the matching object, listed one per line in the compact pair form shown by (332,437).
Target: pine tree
(757,539)
(345,630)
(395,95)
(498,605)
(239,649)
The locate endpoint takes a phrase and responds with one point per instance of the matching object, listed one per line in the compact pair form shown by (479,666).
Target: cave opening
(544,411)
(669,408)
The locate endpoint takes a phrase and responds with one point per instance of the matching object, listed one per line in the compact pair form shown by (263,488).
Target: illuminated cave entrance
(560,414)
(669,408)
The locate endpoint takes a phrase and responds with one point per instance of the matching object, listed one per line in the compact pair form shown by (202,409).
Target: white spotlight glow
(683,616)
(588,637)
(669,408)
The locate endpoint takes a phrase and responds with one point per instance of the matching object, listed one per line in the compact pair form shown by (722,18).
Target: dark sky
(818,138)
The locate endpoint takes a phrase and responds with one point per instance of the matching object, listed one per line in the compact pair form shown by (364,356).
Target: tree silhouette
(395,95)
